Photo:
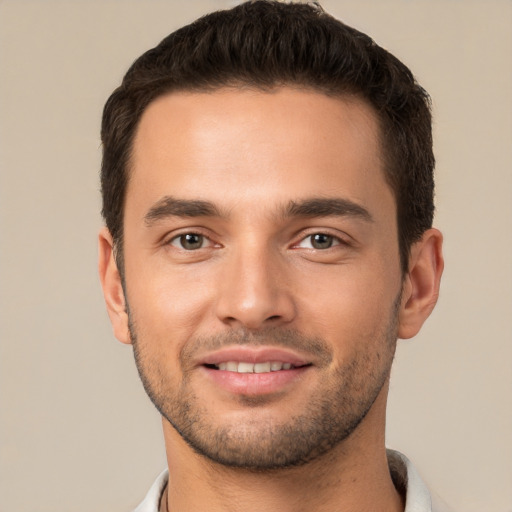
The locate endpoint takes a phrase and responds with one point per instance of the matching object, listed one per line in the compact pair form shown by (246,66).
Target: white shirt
(417,496)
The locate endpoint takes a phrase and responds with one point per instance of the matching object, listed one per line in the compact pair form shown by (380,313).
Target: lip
(254,355)
(254,384)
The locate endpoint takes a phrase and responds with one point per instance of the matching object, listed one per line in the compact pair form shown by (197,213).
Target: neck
(354,477)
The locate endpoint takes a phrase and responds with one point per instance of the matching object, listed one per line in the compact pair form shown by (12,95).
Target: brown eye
(321,241)
(189,241)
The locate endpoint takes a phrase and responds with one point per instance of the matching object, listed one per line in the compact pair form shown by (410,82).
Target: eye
(319,241)
(190,241)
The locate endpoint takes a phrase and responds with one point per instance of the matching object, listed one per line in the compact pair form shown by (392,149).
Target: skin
(257,280)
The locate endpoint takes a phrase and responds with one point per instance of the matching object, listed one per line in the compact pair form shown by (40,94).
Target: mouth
(254,371)
(248,367)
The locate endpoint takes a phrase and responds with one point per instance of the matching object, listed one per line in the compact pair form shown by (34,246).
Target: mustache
(272,336)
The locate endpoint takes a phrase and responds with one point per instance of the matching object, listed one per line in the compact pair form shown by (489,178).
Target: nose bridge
(254,290)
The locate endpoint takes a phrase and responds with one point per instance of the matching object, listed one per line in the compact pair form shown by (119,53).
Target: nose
(255,291)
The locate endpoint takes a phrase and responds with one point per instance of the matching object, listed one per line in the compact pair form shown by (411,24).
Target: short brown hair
(266,44)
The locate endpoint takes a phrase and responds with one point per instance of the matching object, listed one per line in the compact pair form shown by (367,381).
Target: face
(262,272)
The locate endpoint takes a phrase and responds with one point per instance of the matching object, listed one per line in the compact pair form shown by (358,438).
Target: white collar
(406,479)
(404,475)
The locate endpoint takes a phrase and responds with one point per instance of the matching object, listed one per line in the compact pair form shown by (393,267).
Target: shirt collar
(404,475)
(408,481)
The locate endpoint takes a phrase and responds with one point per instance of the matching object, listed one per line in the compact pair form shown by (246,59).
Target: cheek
(349,304)
(168,305)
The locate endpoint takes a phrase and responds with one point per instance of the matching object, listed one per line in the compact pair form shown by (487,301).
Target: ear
(112,287)
(421,284)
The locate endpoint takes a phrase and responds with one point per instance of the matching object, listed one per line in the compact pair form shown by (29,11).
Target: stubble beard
(333,412)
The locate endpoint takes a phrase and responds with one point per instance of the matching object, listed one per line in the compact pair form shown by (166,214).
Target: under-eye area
(245,367)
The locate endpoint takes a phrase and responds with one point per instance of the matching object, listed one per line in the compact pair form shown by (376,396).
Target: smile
(247,367)
(254,370)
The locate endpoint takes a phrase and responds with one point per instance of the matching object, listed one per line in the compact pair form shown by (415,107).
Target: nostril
(274,317)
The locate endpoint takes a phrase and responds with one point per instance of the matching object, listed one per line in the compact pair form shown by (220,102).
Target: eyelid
(176,242)
(175,235)
(335,243)
(340,238)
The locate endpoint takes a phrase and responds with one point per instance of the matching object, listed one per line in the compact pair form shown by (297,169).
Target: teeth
(261,367)
(243,367)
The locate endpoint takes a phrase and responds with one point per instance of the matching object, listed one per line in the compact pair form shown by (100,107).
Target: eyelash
(180,239)
(333,241)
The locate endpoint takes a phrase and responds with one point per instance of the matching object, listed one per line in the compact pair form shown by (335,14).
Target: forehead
(233,145)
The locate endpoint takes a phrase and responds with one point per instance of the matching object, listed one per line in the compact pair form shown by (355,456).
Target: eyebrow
(170,206)
(327,207)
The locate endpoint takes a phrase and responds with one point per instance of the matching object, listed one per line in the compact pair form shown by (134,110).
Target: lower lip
(255,383)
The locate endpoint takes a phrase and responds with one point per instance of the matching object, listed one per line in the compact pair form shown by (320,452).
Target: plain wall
(77,431)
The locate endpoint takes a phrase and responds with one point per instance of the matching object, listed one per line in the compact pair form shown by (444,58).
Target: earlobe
(421,285)
(112,287)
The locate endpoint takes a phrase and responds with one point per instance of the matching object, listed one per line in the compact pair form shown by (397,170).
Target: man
(268,197)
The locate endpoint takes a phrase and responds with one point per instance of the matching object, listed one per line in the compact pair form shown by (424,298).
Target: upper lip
(251,354)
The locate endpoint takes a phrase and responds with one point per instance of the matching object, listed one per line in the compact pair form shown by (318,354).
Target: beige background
(77,431)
